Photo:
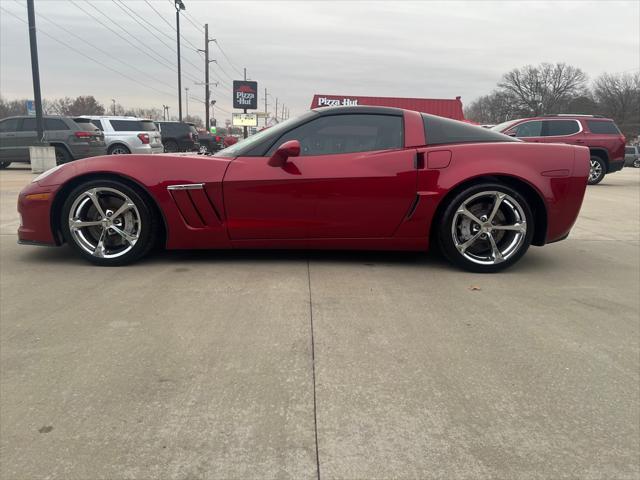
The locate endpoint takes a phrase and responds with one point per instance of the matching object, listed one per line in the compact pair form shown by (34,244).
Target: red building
(450,108)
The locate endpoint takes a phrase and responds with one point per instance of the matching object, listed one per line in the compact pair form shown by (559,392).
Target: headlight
(46,174)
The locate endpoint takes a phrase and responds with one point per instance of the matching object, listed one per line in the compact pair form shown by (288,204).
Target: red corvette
(341,178)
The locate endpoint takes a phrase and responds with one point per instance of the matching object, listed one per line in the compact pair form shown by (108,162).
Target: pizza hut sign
(336,102)
(245,94)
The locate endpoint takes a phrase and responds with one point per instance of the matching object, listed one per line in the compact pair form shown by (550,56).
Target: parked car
(125,135)
(632,156)
(178,137)
(208,143)
(334,178)
(601,135)
(70,140)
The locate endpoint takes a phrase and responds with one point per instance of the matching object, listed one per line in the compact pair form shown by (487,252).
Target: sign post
(245,96)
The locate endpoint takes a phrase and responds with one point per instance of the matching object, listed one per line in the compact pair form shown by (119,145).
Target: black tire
(5,164)
(513,209)
(170,146)
(636,163)
(146,233)
(118,149)
(62,155)
(597,170)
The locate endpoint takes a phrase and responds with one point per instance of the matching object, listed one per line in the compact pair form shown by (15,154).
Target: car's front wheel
(486,228)
(636,163)
(597,170)
(108,222)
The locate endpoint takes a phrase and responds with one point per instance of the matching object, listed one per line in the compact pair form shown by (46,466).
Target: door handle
(579,141)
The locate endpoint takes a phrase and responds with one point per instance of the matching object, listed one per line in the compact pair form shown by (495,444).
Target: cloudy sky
(435,49)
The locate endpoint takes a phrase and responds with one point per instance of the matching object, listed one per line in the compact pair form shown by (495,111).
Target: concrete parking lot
(207,365)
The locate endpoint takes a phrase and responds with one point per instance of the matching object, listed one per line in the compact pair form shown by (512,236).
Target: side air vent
(195,206)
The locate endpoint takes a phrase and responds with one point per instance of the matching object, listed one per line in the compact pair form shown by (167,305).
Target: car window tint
(127,125)
(87,126)
(28,125)
(560,127)
(55,124)
(604,127)
(440,130)
(529,129)
(97,124)
(335,134)
(148,126)
(9,125)
(629,151)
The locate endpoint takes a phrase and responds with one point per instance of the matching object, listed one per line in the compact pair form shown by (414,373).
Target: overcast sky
(428,49)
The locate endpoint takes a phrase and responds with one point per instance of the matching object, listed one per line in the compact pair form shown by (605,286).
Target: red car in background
(372,178)
(605,141)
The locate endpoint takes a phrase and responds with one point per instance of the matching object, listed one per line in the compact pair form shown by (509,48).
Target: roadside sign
(245,120)
(245,94)
(31,107)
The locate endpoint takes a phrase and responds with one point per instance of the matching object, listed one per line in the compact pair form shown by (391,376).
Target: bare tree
(618,97)
(497,107)
(9,108)
(545,88)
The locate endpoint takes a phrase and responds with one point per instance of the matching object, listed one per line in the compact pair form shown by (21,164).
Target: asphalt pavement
(334,365)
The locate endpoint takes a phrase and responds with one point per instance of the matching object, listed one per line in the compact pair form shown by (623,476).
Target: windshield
(247,143)
(501,127)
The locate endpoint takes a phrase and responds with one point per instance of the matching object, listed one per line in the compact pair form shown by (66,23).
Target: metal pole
(276,109)
(35,70)
(265,107)
(244,129)
(207,120)
(179,70)
(186,95)
(113,106)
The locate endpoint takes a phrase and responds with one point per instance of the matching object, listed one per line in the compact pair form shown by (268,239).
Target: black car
(178,137)
(70,139)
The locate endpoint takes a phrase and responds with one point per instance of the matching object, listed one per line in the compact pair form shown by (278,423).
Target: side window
(629,151)
(346,134)
(9,125)
(127,126)
(554,128)
(603,126)
(529,129)
(97,124)
(55,124)
(28,125)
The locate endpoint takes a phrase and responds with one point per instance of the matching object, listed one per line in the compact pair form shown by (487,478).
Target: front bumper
(34,207)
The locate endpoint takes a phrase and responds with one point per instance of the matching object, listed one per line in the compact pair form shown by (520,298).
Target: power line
(154,56)
(84,40)
(227,57)
(87,56)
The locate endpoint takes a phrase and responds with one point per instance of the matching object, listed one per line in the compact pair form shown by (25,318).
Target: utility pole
(207,92)
(179,6)
(113,106)
(244,129)
(276,109)
(265,107)
(186,94)
(35,70)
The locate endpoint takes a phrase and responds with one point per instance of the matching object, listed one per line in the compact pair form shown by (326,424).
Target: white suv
(128,134)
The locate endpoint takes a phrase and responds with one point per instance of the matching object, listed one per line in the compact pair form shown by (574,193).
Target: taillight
(83,134)
(144,138)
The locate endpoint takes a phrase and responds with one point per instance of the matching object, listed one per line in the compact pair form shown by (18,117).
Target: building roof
(449,108)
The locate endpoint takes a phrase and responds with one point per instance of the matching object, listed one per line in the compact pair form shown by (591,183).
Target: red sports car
(335,178)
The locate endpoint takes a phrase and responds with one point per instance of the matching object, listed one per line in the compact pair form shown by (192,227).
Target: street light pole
(186,94)
(179,6)
(113,106)
(35,69)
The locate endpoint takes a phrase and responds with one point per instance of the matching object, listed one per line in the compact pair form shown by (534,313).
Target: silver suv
(128,134)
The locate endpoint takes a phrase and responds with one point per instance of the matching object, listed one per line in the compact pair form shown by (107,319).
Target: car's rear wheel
(597,170)
(170,146)
(636,163)
(119,150)
(62,155)
(4,164)
(108,222)
(486,228)
(203,150)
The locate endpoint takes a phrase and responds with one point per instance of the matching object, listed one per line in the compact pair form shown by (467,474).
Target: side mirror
(284,151)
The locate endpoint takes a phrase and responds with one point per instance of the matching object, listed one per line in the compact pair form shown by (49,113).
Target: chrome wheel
(203,150)
(595,171)
(489,228)
(636,163)
(104,222)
